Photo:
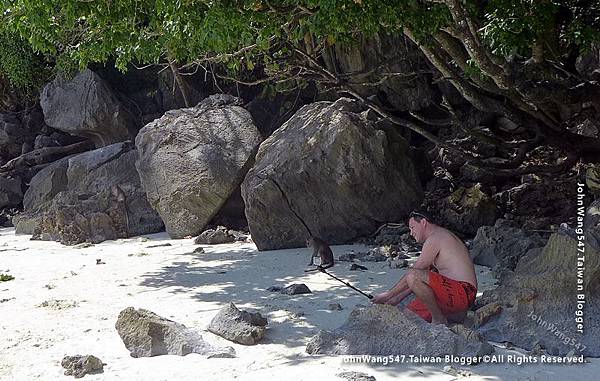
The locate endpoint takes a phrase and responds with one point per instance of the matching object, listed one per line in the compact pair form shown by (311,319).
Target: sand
(62,303)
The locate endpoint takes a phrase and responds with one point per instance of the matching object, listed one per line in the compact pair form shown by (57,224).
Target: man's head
(420,224)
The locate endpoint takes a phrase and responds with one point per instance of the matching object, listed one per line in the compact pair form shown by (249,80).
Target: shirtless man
(442,295)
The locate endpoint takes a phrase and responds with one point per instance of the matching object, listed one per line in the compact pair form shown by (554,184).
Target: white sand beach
(62,303)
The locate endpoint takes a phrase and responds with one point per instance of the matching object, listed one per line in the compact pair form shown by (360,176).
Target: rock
(159,245)
(375,331)
(238,326)
(215,236)
(348,257)
(199,250)
(390,234)
(592,224)
(502,246)
(296,289)
(326,140)
(10,192)
(355,267)
(335,307)
(86,106)
(192,160)
(71,201)
(466,209)
(398,263)
(19,130)
(363,57)
(356,376)
(539,301)
(485,313)
(592,179)
(374,255)
(146,334)
(536,206)
(78,366)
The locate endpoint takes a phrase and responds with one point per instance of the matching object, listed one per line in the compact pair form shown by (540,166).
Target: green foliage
(6,277)
(24,70)
(75,33)
(511,26)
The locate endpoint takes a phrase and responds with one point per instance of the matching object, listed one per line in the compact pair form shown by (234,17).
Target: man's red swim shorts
(452,296)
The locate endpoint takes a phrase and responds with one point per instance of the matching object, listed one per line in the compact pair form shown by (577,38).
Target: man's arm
(401,290)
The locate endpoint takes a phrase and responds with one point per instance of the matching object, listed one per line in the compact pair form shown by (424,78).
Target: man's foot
(441,320)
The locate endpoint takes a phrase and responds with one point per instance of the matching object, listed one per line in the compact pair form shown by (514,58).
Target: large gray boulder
(146,334)
(500,246)
(387,330)
(330,168)
(76,199)
(191,161)
(241,327)
(86,106)
(539,302)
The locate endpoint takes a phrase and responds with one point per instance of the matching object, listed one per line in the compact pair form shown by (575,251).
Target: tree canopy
(509,57)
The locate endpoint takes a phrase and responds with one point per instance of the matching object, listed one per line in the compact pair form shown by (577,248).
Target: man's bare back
(452,260)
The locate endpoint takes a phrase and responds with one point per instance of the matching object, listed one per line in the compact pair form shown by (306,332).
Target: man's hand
(395,300)
(381,298)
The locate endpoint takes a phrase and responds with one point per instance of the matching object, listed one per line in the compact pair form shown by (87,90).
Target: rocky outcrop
(192,160)
(26,146)
(467,209)
(86,106)
(502,245)
(146,334)
(538,304)
(241,327)
(387,330)
(366,59)
(18,132)
(329,168)
(77,199)
(10,192)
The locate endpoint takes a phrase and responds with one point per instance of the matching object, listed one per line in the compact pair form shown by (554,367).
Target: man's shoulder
(441,234)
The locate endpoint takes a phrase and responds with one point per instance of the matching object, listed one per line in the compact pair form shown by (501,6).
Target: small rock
(159,245)
(78,366)
(295,289)
(355,267)
(199,250)
(238,326)
(214,236)
(375,255)
(349,257)
(485,313)
(99,261)
(537,350)
(83,245)
(335,307)
(398,263)
(356,376)
(58,304)
(457,372)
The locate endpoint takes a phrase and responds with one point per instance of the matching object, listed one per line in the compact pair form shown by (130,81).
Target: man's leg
(418,283)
